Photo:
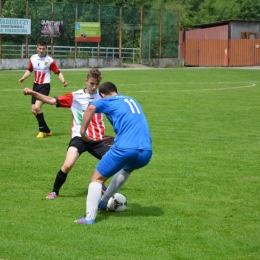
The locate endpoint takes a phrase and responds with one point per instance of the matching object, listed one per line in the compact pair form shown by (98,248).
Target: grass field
(199,198)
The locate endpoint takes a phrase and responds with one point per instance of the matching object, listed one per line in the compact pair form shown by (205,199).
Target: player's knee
(97,177)
(66,167)
(37,110)
(34,111)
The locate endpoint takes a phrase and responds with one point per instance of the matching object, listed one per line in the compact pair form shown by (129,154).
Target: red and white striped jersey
(42,67)
(78,102)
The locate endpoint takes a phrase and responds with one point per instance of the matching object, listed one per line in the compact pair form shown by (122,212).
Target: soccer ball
(117,203)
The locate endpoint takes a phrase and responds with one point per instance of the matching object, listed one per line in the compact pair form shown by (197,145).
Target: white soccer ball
(117,203)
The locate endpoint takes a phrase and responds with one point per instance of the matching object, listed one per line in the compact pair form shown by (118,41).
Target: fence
(19,51)
(222,53)
(146,33)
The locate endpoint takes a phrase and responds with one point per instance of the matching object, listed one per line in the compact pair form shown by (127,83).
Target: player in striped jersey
(42,65)
(78,102)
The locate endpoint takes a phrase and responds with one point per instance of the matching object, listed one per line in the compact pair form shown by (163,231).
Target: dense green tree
(12,9)
(249,10)
(216,10)
(191,11)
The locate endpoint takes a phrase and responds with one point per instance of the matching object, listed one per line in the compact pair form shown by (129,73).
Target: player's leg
(115,185)
(99,149)
(140,160)
(75,148)
(94,195)
(38,117)
(110,163)
(122,157)
(71,158)
(93,198)
(43,127)
(44,130)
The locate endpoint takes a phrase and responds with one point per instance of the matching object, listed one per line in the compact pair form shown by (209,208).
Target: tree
(250,10)
(216,10)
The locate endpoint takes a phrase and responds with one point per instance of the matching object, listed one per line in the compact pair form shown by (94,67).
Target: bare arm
(25,75)
(43,98)
(61,78)
(88,114)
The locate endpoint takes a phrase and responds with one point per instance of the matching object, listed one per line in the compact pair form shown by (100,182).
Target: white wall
(22,64)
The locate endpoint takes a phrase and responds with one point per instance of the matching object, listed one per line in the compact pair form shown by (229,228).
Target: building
(229,43)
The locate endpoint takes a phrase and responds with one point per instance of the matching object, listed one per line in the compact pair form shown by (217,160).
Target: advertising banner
(87,32)
(51,28)
(15,26)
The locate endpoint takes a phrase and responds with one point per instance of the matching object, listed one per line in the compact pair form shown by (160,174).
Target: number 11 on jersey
(134,108)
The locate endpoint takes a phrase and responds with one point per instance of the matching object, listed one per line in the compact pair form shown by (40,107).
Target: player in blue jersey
(132,147)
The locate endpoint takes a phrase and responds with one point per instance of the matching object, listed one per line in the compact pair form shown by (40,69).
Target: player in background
(78,102)
(132,148)
(42,65)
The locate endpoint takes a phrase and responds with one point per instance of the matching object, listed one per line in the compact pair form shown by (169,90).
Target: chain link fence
(153,32)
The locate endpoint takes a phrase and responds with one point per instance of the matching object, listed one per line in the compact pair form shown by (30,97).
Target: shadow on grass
(132,210)
(79,194)
(60,134)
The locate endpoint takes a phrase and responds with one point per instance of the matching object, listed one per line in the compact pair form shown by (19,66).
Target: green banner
(87,32)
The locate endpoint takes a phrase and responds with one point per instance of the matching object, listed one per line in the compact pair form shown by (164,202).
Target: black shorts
(41,88)
(97,149)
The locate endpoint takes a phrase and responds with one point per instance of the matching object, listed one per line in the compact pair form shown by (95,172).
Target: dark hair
(42,43)
(107,87)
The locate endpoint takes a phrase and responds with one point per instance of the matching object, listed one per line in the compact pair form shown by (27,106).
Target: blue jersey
(128,120)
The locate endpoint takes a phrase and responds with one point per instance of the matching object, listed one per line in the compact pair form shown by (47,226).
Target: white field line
(69,88)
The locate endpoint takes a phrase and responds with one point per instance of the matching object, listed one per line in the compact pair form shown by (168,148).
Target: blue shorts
(117,159)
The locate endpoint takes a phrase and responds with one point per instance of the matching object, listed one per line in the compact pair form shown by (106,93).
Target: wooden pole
(99,22)
(141,35)
(120,33)
(52,50)
(27,37)
(184,44)
(229,45)
(1,34)
(160,40)
(179,25)
(75,42)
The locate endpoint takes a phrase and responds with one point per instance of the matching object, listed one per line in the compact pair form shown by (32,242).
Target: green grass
(197,199)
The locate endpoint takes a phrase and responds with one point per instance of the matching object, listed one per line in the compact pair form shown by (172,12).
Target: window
(248,35)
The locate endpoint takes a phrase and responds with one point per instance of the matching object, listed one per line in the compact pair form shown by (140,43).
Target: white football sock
(93,198)
(117,182)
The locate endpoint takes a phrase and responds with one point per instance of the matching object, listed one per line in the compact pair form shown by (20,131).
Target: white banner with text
(15,26)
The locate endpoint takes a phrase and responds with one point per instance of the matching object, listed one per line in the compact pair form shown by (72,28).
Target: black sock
(42,124)
(59,181)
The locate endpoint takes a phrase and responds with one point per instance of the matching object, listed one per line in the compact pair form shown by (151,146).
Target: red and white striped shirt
(42,67)
(78,102)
